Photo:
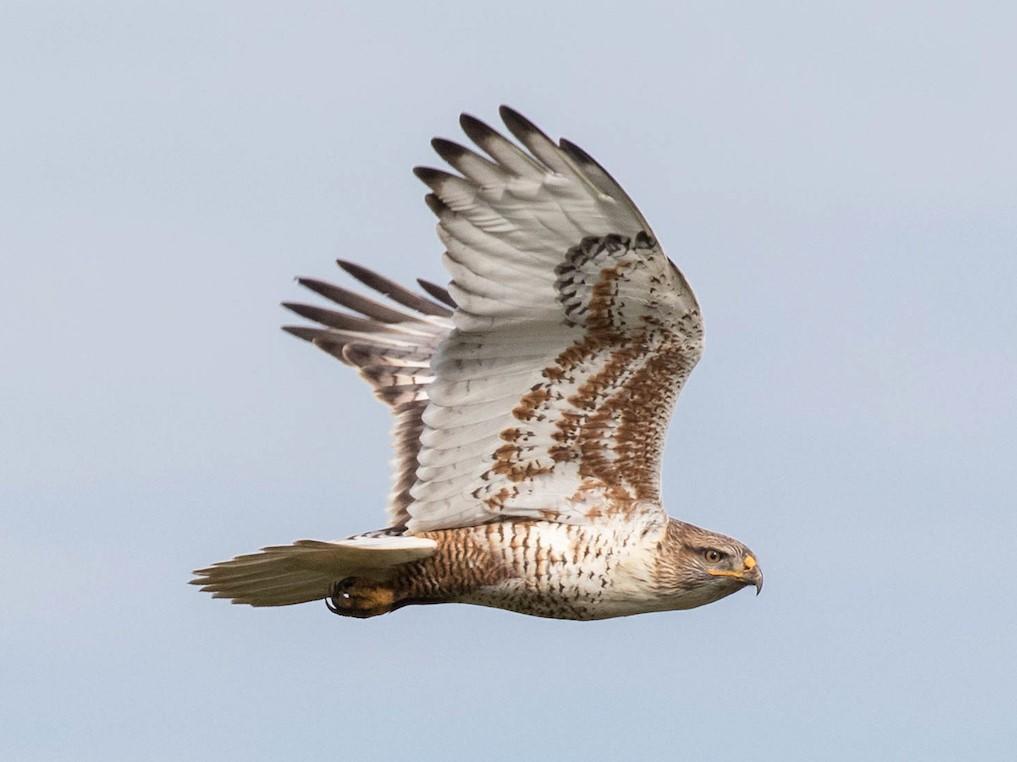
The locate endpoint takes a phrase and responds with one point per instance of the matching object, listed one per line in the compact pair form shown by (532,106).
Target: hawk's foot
(360,598)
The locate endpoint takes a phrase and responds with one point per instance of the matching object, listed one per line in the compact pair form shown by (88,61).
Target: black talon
(332,602)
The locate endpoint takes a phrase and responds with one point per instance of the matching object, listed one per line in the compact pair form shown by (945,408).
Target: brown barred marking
(509,462)
(613,424)
(533,402)
(496,501)
(514,565)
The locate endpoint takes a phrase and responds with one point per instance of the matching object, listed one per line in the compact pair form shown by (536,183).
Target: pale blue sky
(839,184)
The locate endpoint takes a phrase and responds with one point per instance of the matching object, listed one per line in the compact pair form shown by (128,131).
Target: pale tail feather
(305,571)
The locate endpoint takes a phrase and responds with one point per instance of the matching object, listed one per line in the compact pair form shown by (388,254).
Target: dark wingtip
(320,286)
(448,150)
(518,124)
(359,272)
(297,307)
(336,294)
(476,130)
(437,292)
(302,332)
(391,289)
(513,118)
(430,176)
(333,319)
(576,152)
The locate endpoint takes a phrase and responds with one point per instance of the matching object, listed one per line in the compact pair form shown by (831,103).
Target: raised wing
(574,334)
(547,392)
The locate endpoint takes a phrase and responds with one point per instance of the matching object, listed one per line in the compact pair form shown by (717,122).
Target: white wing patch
(574,432)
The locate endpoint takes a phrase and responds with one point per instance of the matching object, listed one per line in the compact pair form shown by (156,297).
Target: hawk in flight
(531,400)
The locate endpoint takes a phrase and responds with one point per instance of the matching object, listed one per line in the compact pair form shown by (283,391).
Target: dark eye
(711,555)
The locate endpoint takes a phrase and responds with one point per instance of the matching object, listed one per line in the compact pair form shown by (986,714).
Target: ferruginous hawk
(531,400)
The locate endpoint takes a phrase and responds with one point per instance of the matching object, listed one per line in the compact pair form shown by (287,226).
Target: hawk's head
(697,566)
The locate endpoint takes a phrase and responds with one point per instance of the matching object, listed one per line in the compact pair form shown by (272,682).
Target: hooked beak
(750,574)
(753,573)
(758,581)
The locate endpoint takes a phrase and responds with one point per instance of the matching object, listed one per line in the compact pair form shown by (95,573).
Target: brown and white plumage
(531,401)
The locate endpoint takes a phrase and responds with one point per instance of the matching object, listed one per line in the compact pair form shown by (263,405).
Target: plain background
(838,182)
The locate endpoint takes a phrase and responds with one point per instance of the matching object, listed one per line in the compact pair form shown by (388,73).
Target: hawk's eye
(713,556)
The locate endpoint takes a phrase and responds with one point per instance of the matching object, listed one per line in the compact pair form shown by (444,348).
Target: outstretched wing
(547,392)
(573,336)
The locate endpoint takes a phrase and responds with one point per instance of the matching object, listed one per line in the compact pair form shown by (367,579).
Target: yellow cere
(750,562)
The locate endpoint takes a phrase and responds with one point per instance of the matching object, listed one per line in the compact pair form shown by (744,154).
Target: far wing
(391,344)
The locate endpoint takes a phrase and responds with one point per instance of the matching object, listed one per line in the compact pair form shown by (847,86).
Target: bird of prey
(531,400)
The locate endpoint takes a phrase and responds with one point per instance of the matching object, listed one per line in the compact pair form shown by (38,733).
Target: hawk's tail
(306,570)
